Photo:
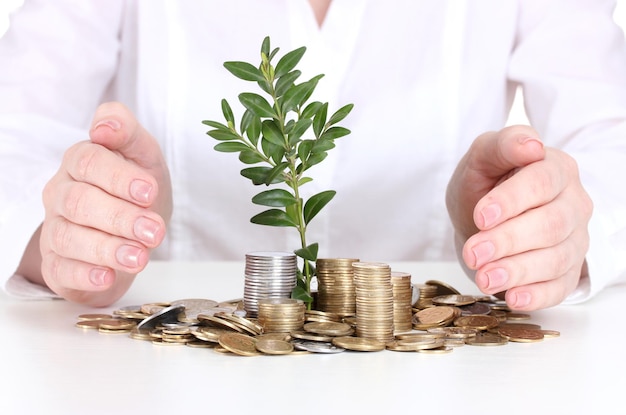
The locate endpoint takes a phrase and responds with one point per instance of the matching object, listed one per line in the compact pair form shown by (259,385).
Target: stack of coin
(402,299)
(281,315)
(374,300)
(268,275)
(335,285)
(425,295)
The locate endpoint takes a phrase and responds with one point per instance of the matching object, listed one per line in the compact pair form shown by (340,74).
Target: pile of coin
(268,275)
(441,319)
(335,285)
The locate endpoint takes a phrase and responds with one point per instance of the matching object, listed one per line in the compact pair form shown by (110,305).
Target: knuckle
(61,237)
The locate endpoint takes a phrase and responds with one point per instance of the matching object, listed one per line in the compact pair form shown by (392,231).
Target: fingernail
(490,214)
(99,277)
(146,230)
(130,256)
(496,278)
(140,191)
(531,141)
(520,300)
(483,252)
(112,124)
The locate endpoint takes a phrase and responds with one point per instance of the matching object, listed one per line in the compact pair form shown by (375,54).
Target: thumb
(115,127)
(496,155)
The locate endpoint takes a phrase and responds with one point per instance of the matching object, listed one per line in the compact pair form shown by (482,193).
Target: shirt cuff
(19,287)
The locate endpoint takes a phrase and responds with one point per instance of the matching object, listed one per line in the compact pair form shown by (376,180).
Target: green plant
(275,136)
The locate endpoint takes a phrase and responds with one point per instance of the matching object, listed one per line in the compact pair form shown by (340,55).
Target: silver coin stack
(268,275)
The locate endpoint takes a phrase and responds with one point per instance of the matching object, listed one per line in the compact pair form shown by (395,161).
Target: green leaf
(228,112)
(309,253)
(315,158)
(245,71)
(273,217)
(274,198)
(304,149)
(276,153)
(289,61)
(272,54)
(254,130)
(320,119)
(231,147)
(246,119)
(321,146)
(293,212)
(297,95)
(311,109)
(313,206)
(265,86)
(298,130)
(299,293)
(340,114)
(334,132)
(304,180)
(216,124)
(256,174)
(265,46)
(257,104)
(250,157)
(276,174)
(286,82)
(272,133)
(223,135)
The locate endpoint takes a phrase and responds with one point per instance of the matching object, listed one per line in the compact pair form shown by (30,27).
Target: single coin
(551,333)
(305,335)
(317,347)
(329,328)
(273,346)
(437,350)
(96,316)
(486,339)
(200,344)
(442,288)
(434,315)
(454,300)
(477,321)
(239,343)
(88,324)
(521,335)
(166,315)
(116,324)
(360,344)
(517,316)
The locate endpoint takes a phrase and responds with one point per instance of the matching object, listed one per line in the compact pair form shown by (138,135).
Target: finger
(116,128)
(530,186)
(531,267)
(495,154)
(89,206)
(542,227)
(96,165)
(89,245)
(63,274)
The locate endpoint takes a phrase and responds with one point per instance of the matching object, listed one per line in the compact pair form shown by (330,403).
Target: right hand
(106,208)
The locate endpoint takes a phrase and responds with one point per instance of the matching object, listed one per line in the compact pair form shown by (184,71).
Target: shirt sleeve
(570,60)
(58,59)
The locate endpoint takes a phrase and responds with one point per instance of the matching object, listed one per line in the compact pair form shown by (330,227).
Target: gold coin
(88,324)
(454,300)
(551,333)
(434,315)
(83,317)
(239,343)
(273,346)
(521,335)
(442,288)
(329,328)
(477,321)
(437,350)
(116,324)
(360,344)
(486,339)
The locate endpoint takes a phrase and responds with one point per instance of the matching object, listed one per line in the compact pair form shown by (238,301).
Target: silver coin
(166,315)
(317,347)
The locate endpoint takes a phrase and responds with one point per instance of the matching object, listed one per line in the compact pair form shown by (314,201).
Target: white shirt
(426,78)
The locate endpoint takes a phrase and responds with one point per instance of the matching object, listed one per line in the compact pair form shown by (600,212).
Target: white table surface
(50,366)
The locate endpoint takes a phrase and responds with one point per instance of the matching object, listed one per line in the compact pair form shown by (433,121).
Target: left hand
(521,214)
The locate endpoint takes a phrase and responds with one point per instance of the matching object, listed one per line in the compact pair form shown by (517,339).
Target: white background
(517,114)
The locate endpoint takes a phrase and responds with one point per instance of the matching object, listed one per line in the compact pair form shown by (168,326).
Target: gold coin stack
(426,293)
(281,315)
(335,286)
(374,300)
(402,298)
